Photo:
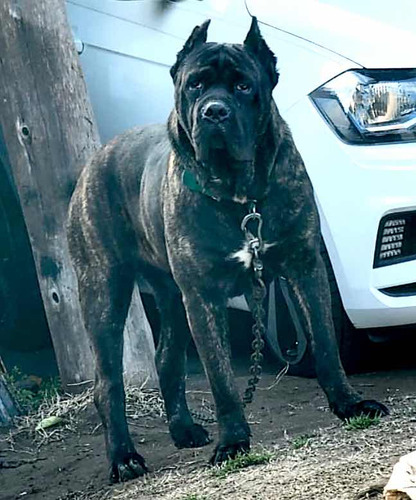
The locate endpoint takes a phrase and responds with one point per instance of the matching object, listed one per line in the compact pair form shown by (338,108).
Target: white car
(347,89)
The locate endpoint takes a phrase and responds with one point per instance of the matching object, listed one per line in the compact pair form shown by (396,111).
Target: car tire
(353,345)
(23,324)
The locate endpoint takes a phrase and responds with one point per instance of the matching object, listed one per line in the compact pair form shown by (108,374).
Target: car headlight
(370,106)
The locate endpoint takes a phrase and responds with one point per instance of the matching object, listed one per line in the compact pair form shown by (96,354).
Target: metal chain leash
(259,330)
(255,246)
(202,417)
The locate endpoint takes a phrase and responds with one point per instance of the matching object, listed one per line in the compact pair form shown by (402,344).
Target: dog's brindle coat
(132,216)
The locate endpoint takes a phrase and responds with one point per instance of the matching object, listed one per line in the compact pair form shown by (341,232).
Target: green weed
(361,422)
(28,400)
(301,441)
(241,461)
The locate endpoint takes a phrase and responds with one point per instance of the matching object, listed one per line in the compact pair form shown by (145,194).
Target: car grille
(407,290)
(396,239)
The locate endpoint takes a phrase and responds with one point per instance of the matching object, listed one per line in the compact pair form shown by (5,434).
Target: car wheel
(8,293)
(353,345)
(23,323)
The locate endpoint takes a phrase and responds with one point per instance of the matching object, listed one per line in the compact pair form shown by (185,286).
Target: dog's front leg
(309,284)
(208,320)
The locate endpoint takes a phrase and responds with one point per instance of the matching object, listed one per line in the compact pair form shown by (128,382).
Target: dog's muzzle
(215,112)
(218,137)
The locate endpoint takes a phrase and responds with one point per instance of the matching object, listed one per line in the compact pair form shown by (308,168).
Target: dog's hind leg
(309,284)
(99,242)
(171,365)
(105,298)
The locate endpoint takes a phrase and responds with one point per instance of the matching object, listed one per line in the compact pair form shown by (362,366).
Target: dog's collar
(189,180)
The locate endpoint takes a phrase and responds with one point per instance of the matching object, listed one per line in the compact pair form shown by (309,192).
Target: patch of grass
(301,441)
(28,400)
(361,422)
(241,461)
(51,402)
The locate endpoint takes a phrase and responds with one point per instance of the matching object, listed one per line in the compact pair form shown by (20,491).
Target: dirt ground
(69,462)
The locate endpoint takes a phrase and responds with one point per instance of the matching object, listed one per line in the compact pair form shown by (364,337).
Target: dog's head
(223,95)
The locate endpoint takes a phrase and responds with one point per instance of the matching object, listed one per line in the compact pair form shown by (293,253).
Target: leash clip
(255,243)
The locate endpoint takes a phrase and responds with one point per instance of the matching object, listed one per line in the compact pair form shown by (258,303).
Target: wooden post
(8,408)
(49,131)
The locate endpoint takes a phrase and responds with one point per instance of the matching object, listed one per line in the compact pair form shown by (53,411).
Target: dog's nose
(215,112)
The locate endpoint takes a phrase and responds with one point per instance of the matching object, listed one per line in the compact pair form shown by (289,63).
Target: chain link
(255,246)
(259,330)
(202,417)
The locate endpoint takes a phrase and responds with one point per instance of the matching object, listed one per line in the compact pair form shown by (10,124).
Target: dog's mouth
(227,164)
(217,141)
(223,174)
(219,150)
(222,164)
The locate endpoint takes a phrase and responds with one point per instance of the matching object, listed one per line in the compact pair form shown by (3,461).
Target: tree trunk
(50,132)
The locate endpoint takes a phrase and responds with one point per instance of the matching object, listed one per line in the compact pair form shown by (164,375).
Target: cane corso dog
(164,204)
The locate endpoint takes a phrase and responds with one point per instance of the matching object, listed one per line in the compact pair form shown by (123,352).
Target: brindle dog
(132,215)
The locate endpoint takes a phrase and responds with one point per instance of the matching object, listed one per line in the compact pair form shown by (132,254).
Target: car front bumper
(355,186)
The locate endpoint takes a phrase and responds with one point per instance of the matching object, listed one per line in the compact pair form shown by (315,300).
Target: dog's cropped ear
(197,38)
(255,43)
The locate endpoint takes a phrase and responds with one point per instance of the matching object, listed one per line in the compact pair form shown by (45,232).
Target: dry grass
(336,465)
(67,407)
(140,402)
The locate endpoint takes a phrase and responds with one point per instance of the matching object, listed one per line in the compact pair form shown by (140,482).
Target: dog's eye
(243,87)
(195,85)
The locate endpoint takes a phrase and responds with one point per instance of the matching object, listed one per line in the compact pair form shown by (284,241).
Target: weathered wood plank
(50,132)
(139,351)
(8,408)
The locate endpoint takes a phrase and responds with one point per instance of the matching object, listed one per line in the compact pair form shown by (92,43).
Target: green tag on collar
(189,180)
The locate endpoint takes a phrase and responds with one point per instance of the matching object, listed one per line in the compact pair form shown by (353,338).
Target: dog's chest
(208,236)
(257,238)
(245,254)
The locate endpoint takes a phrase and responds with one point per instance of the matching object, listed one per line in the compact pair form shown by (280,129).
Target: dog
(164,204)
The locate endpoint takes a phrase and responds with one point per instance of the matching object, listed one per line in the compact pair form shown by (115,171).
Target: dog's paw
(131,466)
(369,407)
(190,436)
(224,452)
